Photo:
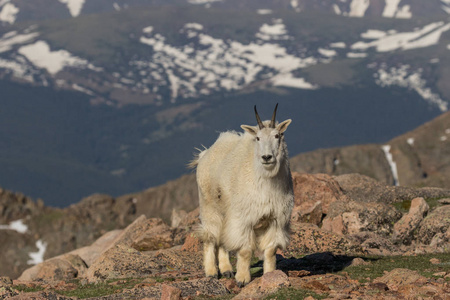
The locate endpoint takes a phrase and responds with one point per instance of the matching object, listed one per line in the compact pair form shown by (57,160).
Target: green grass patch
(291,293)
(27,289)
(109,287)
(378,265)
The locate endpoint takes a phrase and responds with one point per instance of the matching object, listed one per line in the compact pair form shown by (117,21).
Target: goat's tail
(197,156)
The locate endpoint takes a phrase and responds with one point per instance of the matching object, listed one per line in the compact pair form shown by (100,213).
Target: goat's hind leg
(224,263)
(270,259)
(244,257)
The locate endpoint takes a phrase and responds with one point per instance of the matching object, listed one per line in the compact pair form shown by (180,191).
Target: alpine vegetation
(245,196)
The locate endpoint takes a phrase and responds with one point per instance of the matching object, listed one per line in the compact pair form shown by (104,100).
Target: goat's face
(269,141)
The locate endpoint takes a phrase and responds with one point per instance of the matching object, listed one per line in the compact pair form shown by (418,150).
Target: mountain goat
(245,196)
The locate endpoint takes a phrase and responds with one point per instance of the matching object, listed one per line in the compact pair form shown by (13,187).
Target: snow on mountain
(17,225)
(38,256)
(405,77)
(41,56)
(8,40)
(392,10)
(276,31)
(389,41)
(74,6)
(8,12)
(390,159)
(358,8)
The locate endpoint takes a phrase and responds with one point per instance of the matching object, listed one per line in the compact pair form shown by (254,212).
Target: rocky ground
(352,238)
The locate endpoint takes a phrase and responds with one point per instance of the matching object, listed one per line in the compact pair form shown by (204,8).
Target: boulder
(437,222)
(267,284)
(350,217)
(405,227)
(308,238)
(122,261)
(65,267)
(169,292)
(310,189)
(401,277)
(157,236)
(375,244)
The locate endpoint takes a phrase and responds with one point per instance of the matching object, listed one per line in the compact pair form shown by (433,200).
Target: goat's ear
(283,125)
(253,130)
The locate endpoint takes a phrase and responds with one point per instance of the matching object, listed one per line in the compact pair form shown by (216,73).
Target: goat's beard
(268,170)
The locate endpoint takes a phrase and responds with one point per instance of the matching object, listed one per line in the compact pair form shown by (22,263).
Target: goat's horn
(272,122)
(260,124)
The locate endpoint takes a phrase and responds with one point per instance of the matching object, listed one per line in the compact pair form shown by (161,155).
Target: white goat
(246,197)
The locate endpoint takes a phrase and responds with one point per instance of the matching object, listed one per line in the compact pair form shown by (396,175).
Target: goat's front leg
(243,266)
(209,260)
(270,259)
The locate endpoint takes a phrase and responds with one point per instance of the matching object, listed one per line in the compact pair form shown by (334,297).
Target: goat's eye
(257,138)
(277,136)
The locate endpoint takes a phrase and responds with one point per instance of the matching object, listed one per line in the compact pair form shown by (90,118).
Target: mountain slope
(420,157)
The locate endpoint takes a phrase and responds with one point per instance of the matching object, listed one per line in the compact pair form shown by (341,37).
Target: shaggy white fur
(246,197)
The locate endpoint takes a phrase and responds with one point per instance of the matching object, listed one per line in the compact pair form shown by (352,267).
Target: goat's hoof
(228,274)
(216,276)
(240,284)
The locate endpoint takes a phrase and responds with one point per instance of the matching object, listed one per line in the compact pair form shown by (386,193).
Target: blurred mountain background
(113,96)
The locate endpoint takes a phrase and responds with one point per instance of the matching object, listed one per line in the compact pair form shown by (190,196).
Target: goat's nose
(266,157)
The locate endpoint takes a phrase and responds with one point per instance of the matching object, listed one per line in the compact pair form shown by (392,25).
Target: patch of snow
(16,225)
(358,8)
(148,29)
(356,55)
(427,36)
(8,40)
(448,46)
(74,6)
(410,141)
(404,12)
(373,34)
(41,56)
(447,131)
(9,13)
(294,5)
(18,70)
(277,31)
(336,9)
(288,80)
(327,52)
(412,80)
(446,6)
(390,8)
(82,89)
(341,45)
(443,138)
(195,26)
(116,6)
(336,162)
(386,149)
(264,11)
(38,257)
